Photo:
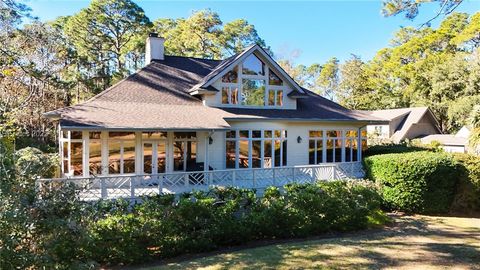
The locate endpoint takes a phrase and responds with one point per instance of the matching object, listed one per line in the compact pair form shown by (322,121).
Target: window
(229,95)
(255,85)
(363,138)
(335,145)
(275,98)
(253,66)
(253,92)
(154,152)
(121,152)
(184,151)
(231,76)
(273,79)
(256,148)
(351,146)
(315,147)
(72,152)
(94,153)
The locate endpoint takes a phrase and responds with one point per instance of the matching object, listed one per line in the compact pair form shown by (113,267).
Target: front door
(154,157)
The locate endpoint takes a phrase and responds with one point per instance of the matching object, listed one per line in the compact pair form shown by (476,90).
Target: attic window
(253,66)
(231,76)
(273,79)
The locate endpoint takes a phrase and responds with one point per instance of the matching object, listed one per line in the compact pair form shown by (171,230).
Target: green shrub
(421,182)
(467,197)
(32,163)
(392,148)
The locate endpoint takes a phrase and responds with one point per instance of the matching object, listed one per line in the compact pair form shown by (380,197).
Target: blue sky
(308,31)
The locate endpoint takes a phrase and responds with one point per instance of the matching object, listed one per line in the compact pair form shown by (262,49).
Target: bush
(32,163)
(392,148)
(467,197)
(422,182)
(201,221)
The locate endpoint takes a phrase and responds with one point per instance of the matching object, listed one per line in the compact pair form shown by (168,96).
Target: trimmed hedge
(467,198)
(393,148)
(422,182)
(202,221)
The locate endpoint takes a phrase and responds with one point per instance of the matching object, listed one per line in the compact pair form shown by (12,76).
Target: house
(457,143)
(187,121)
(403,123)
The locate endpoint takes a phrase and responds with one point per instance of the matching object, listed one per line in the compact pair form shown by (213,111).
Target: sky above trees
(308,32)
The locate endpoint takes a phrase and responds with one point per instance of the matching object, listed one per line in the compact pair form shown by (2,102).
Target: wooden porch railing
(134,186)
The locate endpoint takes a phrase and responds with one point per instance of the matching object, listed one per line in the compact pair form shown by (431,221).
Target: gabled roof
(411,117)
(230,62)
(159,97)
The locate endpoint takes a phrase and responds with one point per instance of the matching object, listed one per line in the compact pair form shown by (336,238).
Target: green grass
(413,242)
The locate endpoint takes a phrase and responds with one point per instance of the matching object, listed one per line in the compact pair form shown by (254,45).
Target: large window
(256,148)
(184,151)
(255,86)
(121,152)
(335,145)
(154,152)
(253,92)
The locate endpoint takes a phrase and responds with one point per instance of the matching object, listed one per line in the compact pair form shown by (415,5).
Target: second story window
(251,83)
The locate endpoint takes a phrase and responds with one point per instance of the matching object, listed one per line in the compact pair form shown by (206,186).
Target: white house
(189,121)
(450,143)
(402,124)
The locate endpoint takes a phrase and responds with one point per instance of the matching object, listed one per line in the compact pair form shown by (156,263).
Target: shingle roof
(158,97)
(445,139)
(411,117)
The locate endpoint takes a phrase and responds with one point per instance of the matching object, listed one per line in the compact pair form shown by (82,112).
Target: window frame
(239,86)
(283,143)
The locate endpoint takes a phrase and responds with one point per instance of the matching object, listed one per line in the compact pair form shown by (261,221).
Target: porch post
(104,145)
(86,153)
(206,161)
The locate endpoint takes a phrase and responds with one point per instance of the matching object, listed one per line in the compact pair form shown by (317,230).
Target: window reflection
(230,150)
(253,66)
(76,162)
(273,79)
(243,154)
(256,154)
(95,157)
(231,76)
(253,92)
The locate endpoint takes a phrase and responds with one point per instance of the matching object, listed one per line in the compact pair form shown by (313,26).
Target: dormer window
(253,66)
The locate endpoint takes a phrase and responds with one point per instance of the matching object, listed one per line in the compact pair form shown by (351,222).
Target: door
(154,157)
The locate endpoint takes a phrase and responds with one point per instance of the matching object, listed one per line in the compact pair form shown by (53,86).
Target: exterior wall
(385,134)
(420,129)
(297,153)
(213,153)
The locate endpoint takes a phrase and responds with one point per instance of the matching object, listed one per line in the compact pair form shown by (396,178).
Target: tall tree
(105,33)
(410,8)
(328,79)
(203,34)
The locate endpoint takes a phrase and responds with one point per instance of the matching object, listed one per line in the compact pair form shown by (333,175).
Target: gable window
(253,66)
(273,79)
(256,148)
(231,76)
(252,84)
(253,92)
(229,95)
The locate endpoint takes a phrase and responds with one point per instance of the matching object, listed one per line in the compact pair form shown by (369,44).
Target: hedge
(422,182)
(59,232)
(467,198)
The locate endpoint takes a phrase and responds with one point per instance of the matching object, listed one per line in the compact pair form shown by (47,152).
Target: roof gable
(229,63)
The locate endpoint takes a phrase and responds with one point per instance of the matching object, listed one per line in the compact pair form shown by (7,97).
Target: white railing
(134,186)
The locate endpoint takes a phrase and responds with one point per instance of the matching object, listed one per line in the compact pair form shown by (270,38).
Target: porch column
(104,145)
(86,153)
(205,159)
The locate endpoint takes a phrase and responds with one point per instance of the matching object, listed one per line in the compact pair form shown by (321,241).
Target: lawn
(412,242)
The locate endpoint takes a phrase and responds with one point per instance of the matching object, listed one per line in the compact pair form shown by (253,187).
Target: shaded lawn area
(412,242)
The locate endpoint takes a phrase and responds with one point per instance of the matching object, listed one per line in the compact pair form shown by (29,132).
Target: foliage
(422,182)
(33,163)
(467,197)
(392,148)
(410,8)
(52,229)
